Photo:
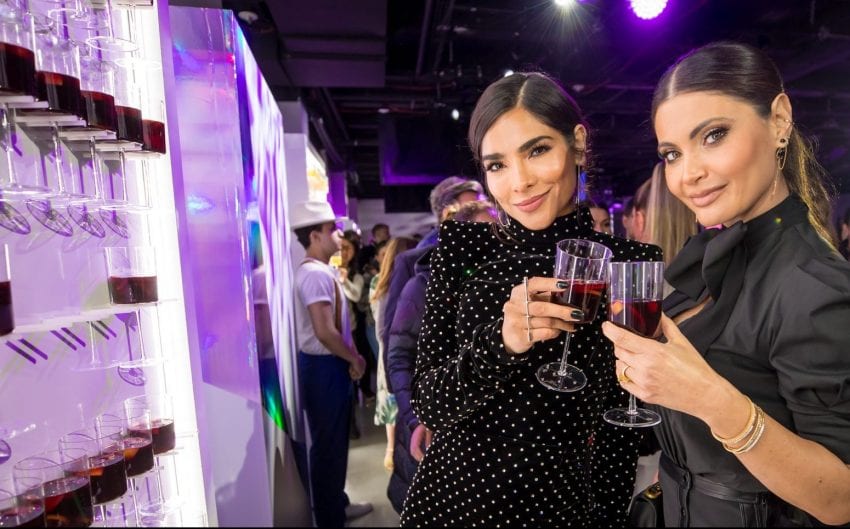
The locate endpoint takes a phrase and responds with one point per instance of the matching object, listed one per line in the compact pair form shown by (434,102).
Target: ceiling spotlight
(455,114)
(248,16)
(648,9)
(564,3)
(383,110)
(508,72)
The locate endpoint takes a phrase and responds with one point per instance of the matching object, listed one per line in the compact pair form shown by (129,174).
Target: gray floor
(367,478)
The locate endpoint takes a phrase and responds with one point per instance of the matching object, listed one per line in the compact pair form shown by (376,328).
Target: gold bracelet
(748,429)
(754,439)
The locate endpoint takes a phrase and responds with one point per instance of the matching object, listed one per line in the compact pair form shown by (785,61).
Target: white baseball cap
(311,213)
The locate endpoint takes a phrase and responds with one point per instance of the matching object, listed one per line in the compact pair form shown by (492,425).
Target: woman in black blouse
(753,381)
(507,450)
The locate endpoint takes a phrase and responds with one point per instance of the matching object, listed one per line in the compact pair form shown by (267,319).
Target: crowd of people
(748,372)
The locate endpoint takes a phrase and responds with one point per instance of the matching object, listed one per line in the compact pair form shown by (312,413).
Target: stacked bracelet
(751,442)
(747,439)
(748,429)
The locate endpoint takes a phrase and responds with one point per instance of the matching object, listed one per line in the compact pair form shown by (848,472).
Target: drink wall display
(96,406)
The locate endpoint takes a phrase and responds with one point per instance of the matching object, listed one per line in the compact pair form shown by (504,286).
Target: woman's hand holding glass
(672,374)
(530,316)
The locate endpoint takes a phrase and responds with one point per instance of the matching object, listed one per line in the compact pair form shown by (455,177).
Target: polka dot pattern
(507,451)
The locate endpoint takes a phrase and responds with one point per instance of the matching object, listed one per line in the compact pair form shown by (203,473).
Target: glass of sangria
(67,488)
(634,303)
(132,274)
(21,502)
(583,265)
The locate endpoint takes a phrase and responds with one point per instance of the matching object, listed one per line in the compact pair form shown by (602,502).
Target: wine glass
(17,85)
(105,449)
(67,489)
(21,502)
(634,299)
(583,265)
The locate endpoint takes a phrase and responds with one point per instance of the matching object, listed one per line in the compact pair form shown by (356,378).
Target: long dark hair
(746,73)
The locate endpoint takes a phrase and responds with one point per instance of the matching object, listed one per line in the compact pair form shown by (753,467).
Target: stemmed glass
(21,502)
(583,265)
(634,297)
(67,489)
(17,83)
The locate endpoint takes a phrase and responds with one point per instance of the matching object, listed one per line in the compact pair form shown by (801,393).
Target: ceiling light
(383,110)
(455,114)
(648,9)
(248,16)
(508,72)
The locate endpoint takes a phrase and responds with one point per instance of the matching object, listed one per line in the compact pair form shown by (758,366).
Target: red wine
(154,135)
(164,438)
(17,70)
(640,316)
(129,124)
(108,476)
(67,502)
(585,295)
(99,110)
(138,455)
(31,515)
(7,320)
(62,93)
(137,289)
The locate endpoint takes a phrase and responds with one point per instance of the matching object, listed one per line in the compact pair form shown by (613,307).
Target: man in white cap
(327,362)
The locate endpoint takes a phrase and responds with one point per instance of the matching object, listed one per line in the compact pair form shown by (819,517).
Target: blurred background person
(385,403)
(668,223)
(601,216)
(411,437)
(844,234)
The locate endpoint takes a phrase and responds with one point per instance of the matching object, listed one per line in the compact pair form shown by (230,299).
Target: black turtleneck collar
(570,225)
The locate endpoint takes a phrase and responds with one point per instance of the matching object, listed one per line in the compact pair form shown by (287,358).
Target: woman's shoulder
(811,264)
(627,249)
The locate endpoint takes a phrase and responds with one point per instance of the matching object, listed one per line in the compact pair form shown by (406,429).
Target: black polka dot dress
(507,451)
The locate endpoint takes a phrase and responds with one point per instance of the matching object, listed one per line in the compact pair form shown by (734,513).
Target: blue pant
(326,393)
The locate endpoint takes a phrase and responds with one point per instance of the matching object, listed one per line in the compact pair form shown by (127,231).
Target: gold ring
(624,378)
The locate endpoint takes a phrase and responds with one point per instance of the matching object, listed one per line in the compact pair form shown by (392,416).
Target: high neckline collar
(572,224)
(787,213)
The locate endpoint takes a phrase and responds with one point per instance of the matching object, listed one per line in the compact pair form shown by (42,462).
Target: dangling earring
(579,186)
(782,153)
(502,218)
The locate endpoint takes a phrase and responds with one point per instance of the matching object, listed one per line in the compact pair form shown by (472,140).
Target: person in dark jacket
(411,437)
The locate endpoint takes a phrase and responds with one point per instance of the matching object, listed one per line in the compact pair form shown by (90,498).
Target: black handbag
(646,509)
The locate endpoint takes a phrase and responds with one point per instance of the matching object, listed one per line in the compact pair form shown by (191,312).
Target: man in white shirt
(327,362)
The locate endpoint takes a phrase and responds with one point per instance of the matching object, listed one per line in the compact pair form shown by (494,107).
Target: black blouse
(507,450)
(777,326)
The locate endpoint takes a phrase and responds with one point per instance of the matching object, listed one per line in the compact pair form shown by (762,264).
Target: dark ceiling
(347,59)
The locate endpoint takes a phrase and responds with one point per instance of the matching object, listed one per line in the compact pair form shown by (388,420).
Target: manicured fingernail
(577,314)
(562,284)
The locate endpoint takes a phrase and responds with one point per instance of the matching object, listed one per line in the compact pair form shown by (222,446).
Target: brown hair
(746,73)
(395,246)
(669,222)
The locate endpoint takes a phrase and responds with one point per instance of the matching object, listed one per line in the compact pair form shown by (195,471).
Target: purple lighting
(648,9)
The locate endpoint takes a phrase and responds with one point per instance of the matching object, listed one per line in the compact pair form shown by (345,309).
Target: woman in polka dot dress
(506,450)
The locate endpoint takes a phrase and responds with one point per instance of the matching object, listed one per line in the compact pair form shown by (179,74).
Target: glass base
(640,418)
(18,190)
(572,380)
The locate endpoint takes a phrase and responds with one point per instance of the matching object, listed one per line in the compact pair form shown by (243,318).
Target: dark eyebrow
(694,132)
(522,148)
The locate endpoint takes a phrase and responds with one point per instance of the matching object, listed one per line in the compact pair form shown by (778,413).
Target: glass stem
(95,170)
(6,127)
(562,372)
(57,159)
(632,405)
